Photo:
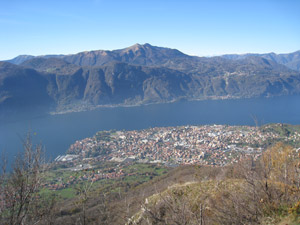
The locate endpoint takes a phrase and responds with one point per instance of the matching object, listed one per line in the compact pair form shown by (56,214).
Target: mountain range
(141,74)
(148,55)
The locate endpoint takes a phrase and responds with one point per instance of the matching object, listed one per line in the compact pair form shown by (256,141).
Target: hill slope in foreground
(248,192)
(247,187)
(87,189)
(245,193)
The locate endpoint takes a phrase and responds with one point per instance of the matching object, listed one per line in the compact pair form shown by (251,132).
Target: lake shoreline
(82,108)
(57,132)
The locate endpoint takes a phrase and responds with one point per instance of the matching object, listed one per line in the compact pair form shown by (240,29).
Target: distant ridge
(139,74)
(20,59)
(291,60)
(149,55)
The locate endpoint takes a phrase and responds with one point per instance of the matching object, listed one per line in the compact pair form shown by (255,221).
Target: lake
(58,132)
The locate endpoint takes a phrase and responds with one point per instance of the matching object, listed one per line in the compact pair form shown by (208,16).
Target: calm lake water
(58,132)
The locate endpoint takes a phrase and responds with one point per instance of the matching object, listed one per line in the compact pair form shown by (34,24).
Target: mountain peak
(134,47)
(20,59)
(138,46)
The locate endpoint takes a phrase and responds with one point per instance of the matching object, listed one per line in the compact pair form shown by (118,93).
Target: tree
(174,206)
(20,198)
(266,189)
(279,167)
(84,191)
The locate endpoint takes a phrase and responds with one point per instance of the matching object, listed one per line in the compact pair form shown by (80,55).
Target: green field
(134,174)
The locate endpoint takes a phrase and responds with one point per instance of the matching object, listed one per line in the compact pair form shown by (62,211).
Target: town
(216,145)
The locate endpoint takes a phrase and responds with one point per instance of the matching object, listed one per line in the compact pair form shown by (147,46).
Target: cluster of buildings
(209,144)
(92,176)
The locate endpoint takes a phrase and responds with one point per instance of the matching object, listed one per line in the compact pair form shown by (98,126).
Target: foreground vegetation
(261,191)
(252,192)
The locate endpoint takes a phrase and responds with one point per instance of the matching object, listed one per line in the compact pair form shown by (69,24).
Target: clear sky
(196,27)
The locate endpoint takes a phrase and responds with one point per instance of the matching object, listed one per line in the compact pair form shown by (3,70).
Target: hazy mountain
(20,59)
(137,54)
(139,74)
(148,55)
(291,60)
(113,83)
(22,89)
(51,65)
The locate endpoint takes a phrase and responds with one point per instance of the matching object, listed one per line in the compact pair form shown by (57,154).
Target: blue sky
(196,27)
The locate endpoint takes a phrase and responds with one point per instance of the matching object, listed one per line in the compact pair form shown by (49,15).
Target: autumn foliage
(251,192)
